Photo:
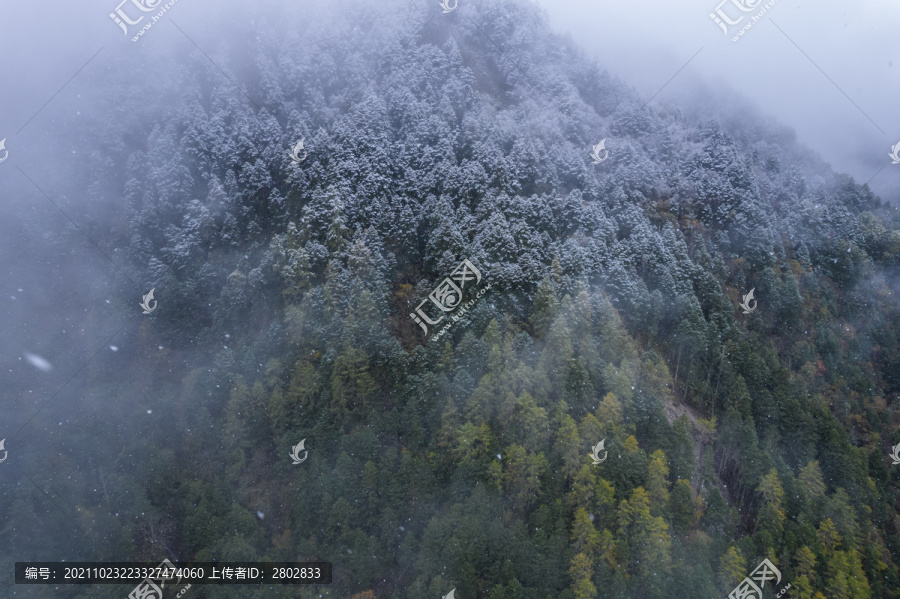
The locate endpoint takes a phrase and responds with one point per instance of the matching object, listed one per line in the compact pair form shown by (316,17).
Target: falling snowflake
(38,362)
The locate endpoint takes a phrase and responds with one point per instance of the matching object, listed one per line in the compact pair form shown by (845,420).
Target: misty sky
(854,43)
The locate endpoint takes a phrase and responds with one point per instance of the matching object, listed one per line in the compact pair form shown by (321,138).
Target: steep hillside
(286,291)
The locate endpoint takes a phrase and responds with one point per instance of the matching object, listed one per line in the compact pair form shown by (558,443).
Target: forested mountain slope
(286,291)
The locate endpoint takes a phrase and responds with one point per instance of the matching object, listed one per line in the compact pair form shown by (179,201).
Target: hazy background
(854,43)
(645,43)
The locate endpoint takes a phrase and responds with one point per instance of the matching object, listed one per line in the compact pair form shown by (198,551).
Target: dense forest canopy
(285,290)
